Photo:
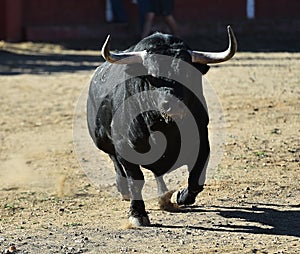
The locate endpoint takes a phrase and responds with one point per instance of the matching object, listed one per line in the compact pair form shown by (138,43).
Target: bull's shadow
(269,219)
(12,63)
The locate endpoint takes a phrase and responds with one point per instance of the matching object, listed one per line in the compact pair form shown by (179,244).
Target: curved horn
(121,58)
(213,57)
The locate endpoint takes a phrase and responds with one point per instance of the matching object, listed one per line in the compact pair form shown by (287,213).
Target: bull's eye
(165,106)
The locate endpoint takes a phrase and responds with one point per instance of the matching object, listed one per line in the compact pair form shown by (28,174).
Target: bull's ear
(203,68)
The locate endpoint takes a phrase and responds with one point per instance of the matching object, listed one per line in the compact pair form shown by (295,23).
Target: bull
(131,133)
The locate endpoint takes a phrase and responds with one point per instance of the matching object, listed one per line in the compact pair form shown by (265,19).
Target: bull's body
(113,84)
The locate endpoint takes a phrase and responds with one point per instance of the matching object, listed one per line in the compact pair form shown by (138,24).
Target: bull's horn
(121,58)
(213,57)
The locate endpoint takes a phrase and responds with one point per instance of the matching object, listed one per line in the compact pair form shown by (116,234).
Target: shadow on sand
(12,63)
(269,219)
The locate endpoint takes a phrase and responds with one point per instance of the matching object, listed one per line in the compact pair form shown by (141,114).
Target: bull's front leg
(137,213)
(197,174)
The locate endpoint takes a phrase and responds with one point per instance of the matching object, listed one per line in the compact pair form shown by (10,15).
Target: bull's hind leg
(137,213)
(121,179)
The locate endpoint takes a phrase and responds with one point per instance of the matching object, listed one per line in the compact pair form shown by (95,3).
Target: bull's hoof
(165,202)
(174,196)
(140,221)
(183,197)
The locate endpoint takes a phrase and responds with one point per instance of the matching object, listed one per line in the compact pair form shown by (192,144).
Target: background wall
(2,19)
(55,20)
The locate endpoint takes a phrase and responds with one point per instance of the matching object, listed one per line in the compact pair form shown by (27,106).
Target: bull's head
(147,55)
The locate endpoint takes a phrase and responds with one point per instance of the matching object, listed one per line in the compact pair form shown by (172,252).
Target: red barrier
(67,19)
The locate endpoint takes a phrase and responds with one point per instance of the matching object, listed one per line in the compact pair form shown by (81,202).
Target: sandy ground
(48,205)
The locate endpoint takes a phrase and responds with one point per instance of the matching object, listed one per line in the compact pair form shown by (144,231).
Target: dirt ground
(48,205)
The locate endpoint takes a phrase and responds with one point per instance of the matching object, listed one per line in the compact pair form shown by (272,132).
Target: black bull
(146,108)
